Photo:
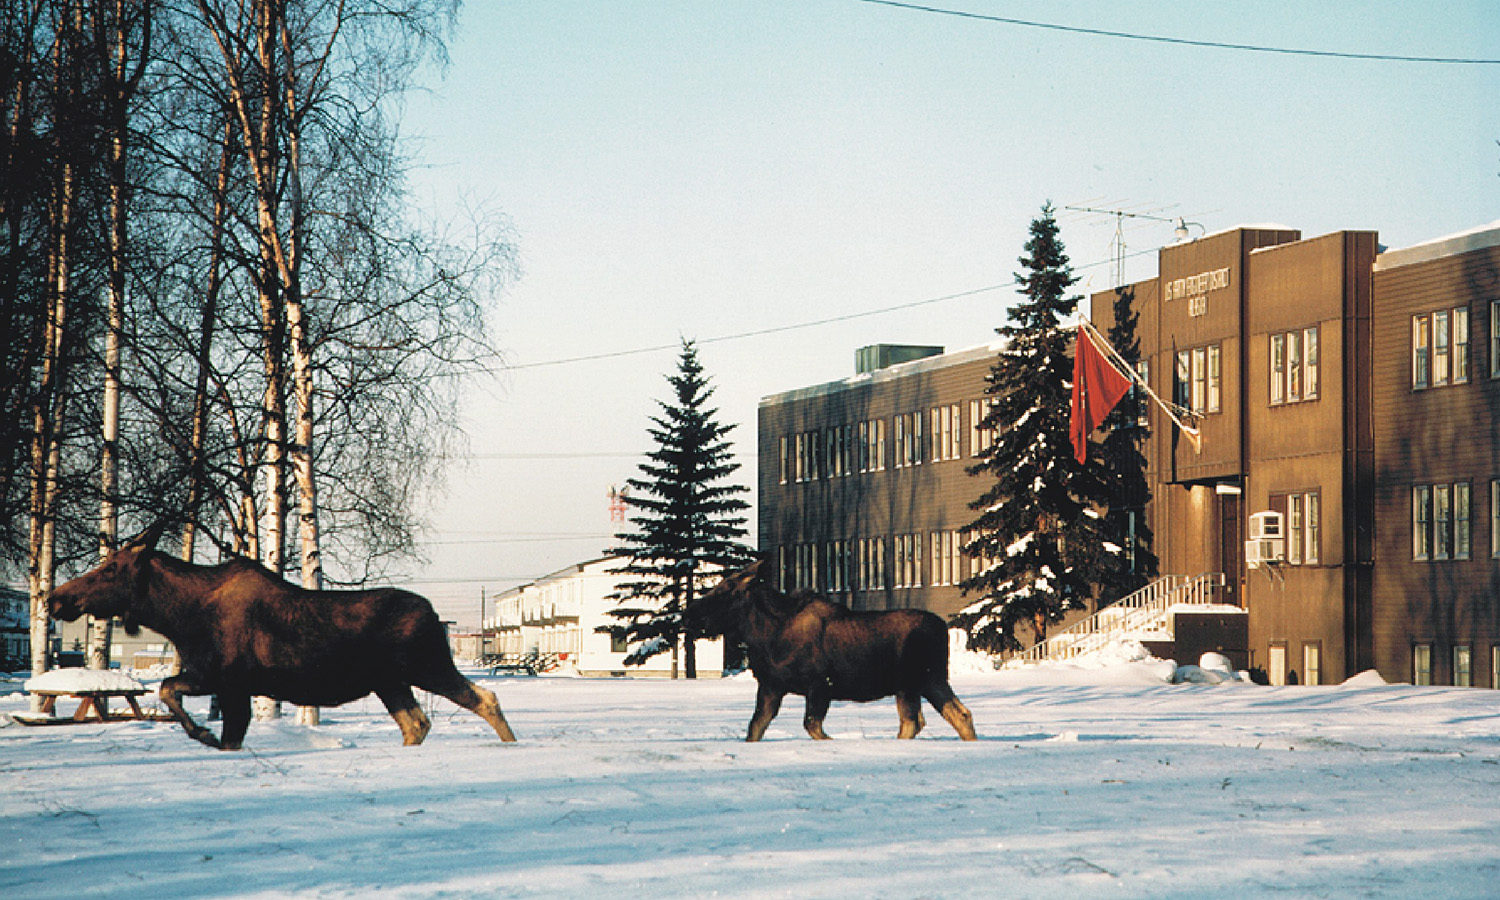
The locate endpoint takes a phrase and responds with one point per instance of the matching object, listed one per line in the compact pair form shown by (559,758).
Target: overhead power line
(778,329)
(761,332)
(1187,42)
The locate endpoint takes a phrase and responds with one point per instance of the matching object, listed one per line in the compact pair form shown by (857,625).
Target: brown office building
(1348,479)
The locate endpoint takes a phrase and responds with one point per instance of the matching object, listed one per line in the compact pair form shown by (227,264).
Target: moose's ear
(147,539)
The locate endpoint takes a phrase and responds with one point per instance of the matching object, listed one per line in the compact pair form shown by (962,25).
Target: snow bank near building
(1124,661)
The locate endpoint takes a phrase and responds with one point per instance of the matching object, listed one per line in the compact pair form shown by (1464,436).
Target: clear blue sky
(704,169)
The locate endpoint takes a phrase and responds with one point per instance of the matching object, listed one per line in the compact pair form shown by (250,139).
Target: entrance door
(1231,546)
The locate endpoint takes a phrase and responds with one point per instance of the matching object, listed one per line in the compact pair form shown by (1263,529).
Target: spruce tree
(1040,537)
(1125,432)
(687,521)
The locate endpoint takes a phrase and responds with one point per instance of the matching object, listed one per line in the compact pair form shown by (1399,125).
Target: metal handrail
(1146,609)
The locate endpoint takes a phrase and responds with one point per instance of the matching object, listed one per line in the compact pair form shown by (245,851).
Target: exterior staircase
(1143,614)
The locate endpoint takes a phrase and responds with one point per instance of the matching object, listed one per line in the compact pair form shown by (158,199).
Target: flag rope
(1173,411)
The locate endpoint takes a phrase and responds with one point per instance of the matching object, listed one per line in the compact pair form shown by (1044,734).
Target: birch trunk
(46,422)
(210,315)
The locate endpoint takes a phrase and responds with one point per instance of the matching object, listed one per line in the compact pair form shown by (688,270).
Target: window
(1495,520)
(1440,348)
(1314,529)
(869,439)
(1304,531)
(1462,529)
(980,437)
(1421,522)
(1441,522)
(1214,380)
(1278,368)
(946,558)
(1310,363)
(1200,379)
(1181,385)
(1199,384)
(1495,666)
(1494,343)
(1421,664)
(945,434)
(1421,373)
(909,444)
(1294,366)
(908,560)
(808,456)
(840,451)
(1294,533)
(1463,666)
(869,564)
(1312,663)
(785,459)
(1460,345)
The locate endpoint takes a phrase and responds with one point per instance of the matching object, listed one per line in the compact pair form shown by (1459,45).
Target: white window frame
(1278,369)
(1421,353)
(1310,362)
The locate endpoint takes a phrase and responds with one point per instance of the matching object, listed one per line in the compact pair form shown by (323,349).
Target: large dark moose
(807,645)
(242,632)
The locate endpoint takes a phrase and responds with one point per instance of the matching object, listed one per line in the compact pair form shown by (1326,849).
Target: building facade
(1351,393)
(863,483)
(557,616)
(1347,398)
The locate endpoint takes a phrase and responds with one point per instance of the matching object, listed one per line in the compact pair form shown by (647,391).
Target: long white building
(558,614)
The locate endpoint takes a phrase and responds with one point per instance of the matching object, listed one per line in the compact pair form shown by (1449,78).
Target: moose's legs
(817,711)
(453,685)
(403,707)
(187,685)
(942,698)
(235,711)
(909,707)
(767,705)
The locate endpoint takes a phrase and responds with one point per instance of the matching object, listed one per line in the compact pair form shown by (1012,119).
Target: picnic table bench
(519,663)
(93,690)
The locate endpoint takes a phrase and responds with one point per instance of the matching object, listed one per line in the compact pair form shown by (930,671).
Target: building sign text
(1195,287)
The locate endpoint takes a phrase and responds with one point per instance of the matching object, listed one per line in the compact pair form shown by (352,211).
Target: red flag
(1097,387)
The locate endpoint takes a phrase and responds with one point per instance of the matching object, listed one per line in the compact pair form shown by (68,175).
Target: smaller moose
(242,632)
(807,645)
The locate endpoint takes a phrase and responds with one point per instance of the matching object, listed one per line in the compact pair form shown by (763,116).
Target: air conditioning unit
(1260,551)
(1268,524)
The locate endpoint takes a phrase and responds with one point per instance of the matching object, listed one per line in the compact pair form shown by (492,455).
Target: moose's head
(720,610)
(111,588)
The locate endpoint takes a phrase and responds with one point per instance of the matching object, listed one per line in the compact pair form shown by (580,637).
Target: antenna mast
(1117,244)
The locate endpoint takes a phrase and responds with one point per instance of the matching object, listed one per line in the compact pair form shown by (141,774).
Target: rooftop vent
(882,356)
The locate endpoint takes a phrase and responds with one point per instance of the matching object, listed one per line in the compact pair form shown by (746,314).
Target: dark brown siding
(1441,435)
(933,496)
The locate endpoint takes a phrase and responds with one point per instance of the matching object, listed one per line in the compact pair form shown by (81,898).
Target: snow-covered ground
(1113,784)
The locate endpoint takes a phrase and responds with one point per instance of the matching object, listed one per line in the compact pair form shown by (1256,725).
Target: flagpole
(1102,344)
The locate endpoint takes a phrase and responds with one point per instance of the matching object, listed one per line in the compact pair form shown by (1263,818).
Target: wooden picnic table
(92,701)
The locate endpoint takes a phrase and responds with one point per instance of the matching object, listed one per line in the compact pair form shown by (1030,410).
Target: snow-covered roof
(900,370)
(1479,238)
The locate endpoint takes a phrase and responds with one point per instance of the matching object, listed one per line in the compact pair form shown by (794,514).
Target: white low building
(558,614)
